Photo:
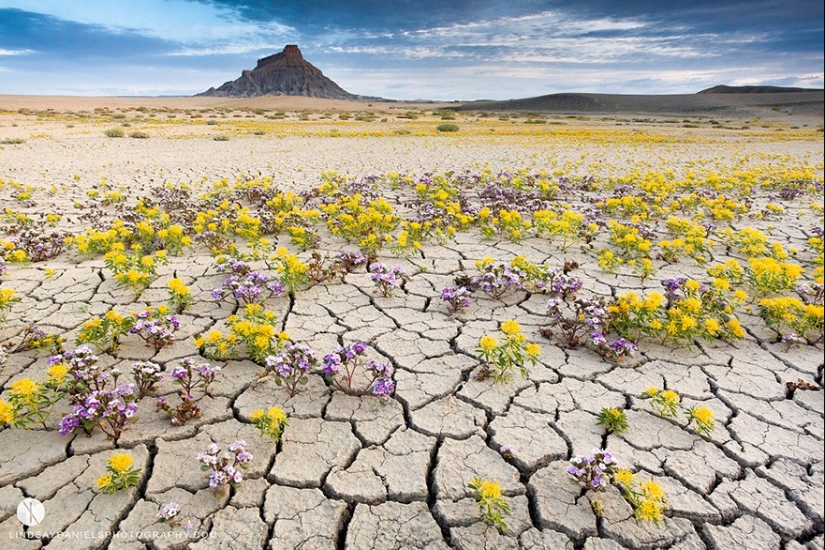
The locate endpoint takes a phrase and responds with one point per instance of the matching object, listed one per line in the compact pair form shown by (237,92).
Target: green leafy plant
(119,474)
(494,505)
(613,420)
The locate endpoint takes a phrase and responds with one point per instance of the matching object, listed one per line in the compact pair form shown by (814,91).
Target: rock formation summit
(285,73)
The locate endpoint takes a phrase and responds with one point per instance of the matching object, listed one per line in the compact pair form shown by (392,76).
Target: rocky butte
(285,73)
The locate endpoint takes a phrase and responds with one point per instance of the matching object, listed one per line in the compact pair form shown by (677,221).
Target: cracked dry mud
(353,473)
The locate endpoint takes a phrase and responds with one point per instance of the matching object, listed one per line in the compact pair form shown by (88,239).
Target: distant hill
(285,73)
(722,89)
(765,103)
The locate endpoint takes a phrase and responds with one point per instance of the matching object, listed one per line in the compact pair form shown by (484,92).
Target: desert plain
(358,472)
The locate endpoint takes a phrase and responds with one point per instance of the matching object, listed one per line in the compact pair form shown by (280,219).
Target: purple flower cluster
(672,288)
(342,355)
(244,285)
(382,385)
(499,279)
(168,512)
(341,365)
(111,410)
(224,467)
(146,375)
(291,366)
(157,332)
(84,373)
(189,375)
(562,284)
(612,349)
(595,472)
(386,278)
(38,245)
(457,298)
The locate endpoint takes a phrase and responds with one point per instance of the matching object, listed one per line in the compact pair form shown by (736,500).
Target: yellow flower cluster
(271,422)
(7,298)
(509,352)
(255,332)
(791,316)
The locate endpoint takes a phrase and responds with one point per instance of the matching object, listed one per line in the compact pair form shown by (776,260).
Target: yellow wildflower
(649,510)
(104,481)
(6,413)
(25,387)
(489,490)
(653,490)
(120,462)
(510,327)
(58,372)
(624,477)
(488,343)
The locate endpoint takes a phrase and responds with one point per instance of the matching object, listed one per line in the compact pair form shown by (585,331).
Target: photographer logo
(30,512)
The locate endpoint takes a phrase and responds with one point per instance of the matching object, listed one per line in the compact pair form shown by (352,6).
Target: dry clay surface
(354,473)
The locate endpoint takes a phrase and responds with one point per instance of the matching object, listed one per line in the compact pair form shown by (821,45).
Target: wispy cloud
(15,52)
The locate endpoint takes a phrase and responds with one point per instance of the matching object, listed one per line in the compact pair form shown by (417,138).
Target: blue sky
(412,49)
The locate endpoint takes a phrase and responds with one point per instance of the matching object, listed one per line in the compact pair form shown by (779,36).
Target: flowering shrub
(584,322)
(35,338)
(633,240)
(768,276)
(594,472)
(387,279)
(292,272)
(94,402)
(795,320)
(647,498)
(494,505)
(457,298)
(497,279)
(32,402)
(134,271)
(155,328)
(245,286)
(223,468)
(146,375)
(35,244)
(104,332)
(180,297)
(119,474)
(190,376)
(508,353)
(701,420)
(168,514)
(362,221)
(111,410)
(255,333)
(569,227)
(599,471)
(665,402)
(613,420)
(291,366)
(686,311)
(271,422)
(341,366)
(7,299)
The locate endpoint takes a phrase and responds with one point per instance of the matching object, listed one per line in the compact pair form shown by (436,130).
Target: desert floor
(355,472)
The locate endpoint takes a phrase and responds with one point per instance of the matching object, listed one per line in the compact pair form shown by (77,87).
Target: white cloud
(15,52)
